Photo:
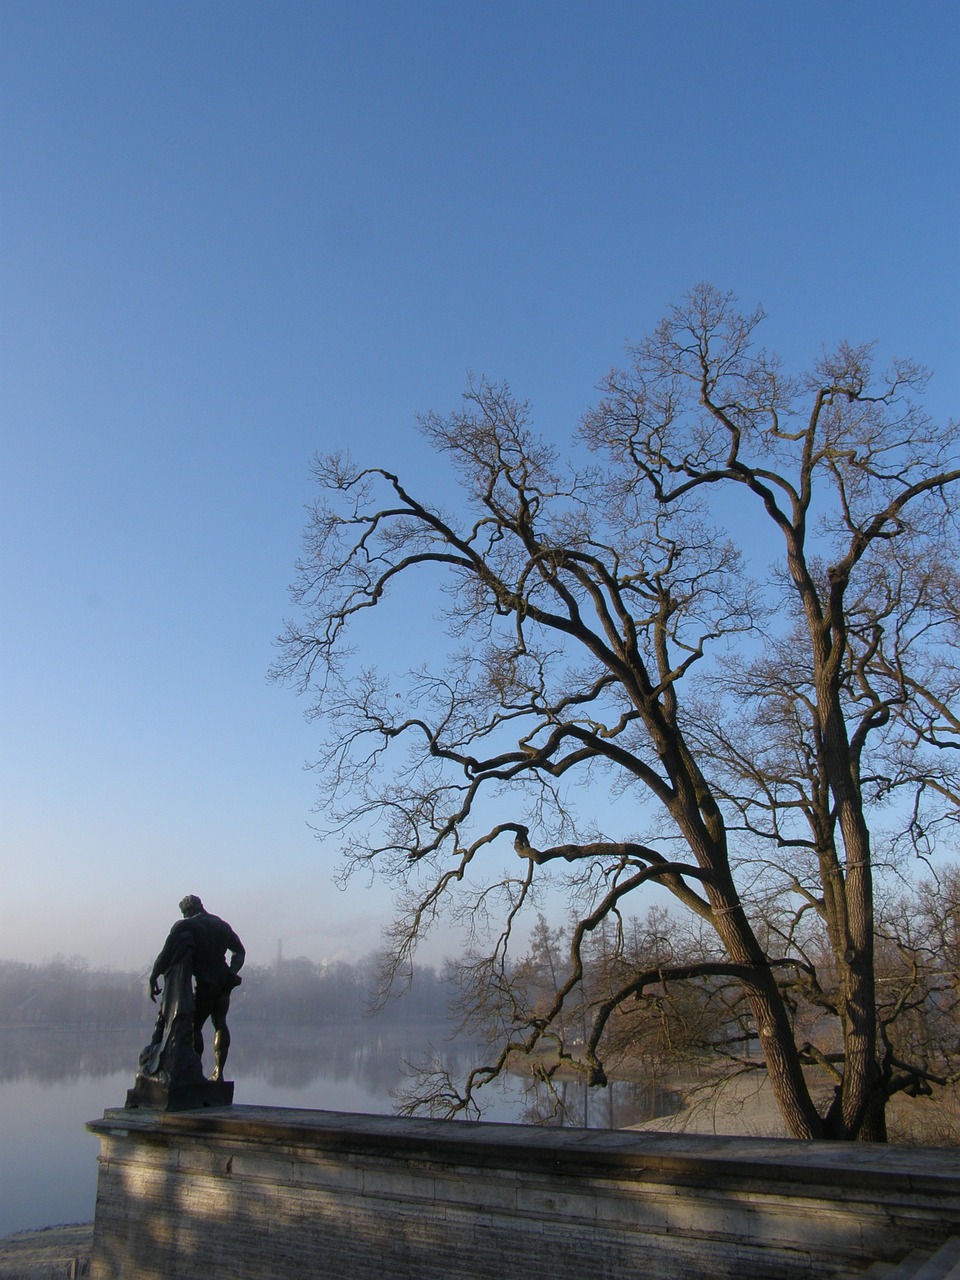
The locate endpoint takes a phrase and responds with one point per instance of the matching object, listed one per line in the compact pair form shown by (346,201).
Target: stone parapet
(256,1193)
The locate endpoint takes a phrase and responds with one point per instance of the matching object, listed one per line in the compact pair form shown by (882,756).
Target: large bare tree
(735,605)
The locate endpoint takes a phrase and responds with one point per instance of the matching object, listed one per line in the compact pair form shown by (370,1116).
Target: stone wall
(257,1193)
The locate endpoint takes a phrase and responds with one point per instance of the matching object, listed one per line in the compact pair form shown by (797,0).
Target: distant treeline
(68,993)
(303,993)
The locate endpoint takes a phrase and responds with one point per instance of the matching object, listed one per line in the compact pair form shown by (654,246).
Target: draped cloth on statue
(170,1055)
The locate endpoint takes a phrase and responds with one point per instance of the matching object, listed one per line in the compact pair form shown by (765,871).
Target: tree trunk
(783,1063)
(777,1041)
(856,962)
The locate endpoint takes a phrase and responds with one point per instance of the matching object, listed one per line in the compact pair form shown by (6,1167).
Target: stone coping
(644,1156)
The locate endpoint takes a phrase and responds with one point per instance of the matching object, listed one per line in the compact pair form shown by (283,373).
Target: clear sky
(235,234)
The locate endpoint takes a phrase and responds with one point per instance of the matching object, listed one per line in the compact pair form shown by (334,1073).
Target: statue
(197,984)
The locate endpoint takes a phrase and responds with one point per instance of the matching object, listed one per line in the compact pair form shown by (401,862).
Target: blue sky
(233,235)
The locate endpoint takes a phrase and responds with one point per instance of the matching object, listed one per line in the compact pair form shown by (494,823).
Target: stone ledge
(257,1192)
(589,1152)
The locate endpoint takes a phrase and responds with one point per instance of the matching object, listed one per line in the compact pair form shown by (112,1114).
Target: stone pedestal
(152,1092)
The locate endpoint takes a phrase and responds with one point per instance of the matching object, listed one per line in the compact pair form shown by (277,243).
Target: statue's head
(191,905)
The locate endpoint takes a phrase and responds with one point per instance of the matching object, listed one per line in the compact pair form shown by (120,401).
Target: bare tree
(730,608)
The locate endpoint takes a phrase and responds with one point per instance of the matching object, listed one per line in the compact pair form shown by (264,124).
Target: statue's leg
(201,1012)
(221,1038)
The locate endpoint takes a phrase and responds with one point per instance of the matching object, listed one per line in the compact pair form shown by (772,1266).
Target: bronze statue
(197,983)
(208,939)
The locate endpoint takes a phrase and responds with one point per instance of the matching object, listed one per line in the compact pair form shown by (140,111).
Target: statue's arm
(155,973)
(161,965)
(238,954)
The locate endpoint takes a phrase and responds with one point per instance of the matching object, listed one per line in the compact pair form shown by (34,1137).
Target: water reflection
(289,1057)
(54,1055)
(295,1059)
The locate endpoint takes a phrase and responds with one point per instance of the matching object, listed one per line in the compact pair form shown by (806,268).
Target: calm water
(52,1082)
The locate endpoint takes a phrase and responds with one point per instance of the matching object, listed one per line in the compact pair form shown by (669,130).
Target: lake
(53,1081)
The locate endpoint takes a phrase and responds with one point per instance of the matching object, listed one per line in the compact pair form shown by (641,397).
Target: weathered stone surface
(258,1193)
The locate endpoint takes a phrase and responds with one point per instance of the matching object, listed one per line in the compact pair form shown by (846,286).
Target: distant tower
(279,953)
